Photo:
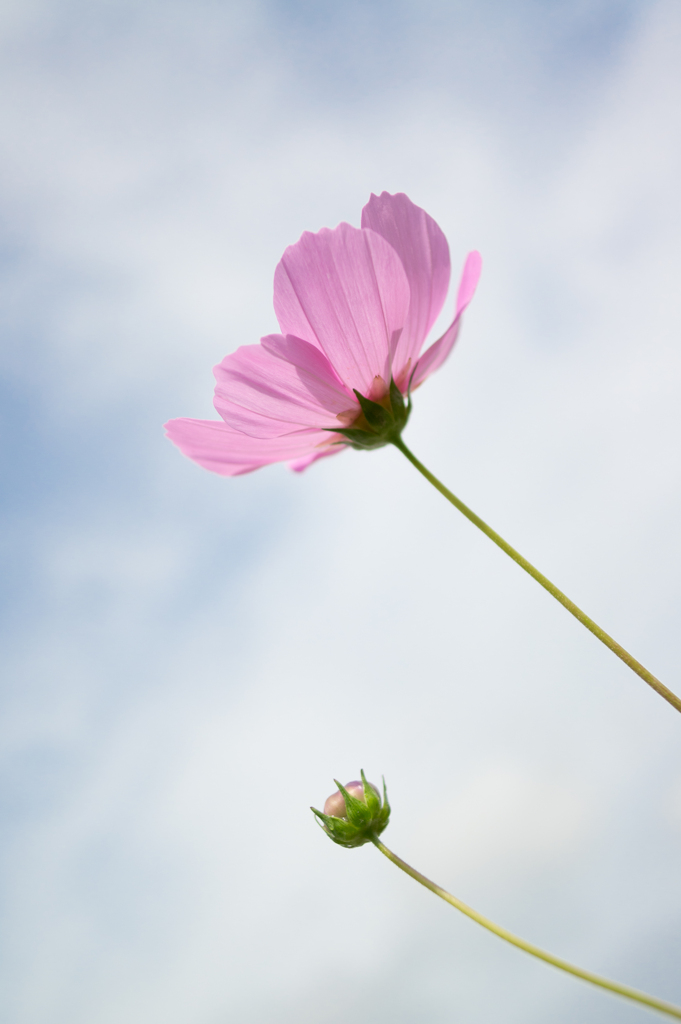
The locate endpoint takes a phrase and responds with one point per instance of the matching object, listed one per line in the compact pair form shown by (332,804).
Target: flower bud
(355,814)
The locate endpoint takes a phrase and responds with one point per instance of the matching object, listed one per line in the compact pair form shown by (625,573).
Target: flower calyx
(379,423)
(358,814)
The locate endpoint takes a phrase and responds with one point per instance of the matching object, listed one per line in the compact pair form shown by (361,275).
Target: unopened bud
(355,814)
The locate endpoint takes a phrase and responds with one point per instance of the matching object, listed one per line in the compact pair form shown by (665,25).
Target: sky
(188,661)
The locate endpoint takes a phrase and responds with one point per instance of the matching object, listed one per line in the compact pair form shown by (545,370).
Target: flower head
(354,814)
(354,307)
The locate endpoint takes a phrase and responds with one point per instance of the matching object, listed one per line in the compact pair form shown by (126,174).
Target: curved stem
(604,637)
(563,965)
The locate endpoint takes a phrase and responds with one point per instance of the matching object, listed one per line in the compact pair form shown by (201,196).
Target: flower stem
(604,637)
(563,965)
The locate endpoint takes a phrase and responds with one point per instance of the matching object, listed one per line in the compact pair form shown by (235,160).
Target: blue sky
(188,661)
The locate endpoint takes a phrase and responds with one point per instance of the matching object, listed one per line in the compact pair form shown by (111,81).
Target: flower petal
(470,276)
(284,383)
(298,465)
(216,446)
(424,253)
(435,356)
(346,292)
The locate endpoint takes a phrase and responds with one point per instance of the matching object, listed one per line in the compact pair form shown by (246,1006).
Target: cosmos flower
(354,306)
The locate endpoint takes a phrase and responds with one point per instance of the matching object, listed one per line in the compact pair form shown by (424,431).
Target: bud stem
(604,637)
(563,965)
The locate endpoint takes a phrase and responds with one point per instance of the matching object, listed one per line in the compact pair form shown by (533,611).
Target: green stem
(604,637)
(563,965)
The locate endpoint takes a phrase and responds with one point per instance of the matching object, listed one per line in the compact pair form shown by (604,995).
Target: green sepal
(378,423)
(360,439)
(385,810)
(371,798)
(376,415)
(400,408)
(342,831)
(357,812)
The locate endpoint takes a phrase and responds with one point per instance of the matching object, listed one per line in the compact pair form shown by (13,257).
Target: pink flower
(354,306)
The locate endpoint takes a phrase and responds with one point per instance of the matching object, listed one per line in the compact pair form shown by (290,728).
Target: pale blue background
(187,661)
